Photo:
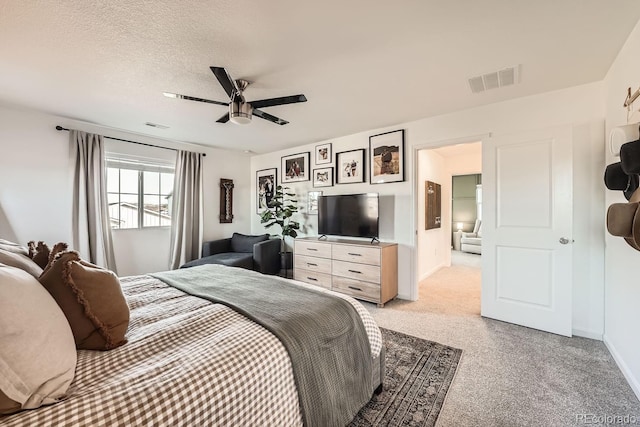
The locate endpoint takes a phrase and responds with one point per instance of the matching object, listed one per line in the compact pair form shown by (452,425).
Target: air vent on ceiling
(504,77)
(156,125)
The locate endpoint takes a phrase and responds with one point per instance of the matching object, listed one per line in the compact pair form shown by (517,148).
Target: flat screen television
(352,215)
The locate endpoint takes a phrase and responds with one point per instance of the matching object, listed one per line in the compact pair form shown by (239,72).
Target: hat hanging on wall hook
(620,135)
(623,220)
(616,179)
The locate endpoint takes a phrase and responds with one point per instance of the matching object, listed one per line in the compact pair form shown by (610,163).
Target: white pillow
(37,351)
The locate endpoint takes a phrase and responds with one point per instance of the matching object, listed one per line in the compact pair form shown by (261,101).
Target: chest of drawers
(356,268)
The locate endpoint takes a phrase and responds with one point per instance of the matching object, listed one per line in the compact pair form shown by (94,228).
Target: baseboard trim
(430,272)
(633,381)
(587,334)
(405,297)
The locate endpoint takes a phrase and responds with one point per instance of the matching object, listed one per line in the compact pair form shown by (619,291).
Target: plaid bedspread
(188,362)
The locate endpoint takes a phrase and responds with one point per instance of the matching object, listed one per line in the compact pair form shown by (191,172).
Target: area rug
(418,376)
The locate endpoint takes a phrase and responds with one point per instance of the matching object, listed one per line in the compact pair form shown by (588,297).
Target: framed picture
(296,167)
(312,202)
(323,153)
(432,205)
(386,157)
(266,182)
(323,177)
(350,166)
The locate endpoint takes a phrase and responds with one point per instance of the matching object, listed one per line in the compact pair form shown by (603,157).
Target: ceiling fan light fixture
(240,112)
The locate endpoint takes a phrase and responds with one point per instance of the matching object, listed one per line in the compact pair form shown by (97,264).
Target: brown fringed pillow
(91,298)
(57,248)
(39,254)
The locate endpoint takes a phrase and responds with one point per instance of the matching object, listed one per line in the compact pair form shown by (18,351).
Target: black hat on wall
(630,157)
(615,178)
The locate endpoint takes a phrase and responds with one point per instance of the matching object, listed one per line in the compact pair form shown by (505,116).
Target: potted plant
(282,207)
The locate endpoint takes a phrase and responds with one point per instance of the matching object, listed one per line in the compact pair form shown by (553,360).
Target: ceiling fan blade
(192,98)
(227,83)
(223,119)
(278,101)
(269,117)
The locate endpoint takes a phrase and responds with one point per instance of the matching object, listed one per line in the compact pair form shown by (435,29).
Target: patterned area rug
(418,376)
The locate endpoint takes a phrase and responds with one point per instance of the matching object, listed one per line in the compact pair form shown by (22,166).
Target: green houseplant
(282,207)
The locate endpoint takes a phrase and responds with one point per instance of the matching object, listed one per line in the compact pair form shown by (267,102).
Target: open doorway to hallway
(450,277)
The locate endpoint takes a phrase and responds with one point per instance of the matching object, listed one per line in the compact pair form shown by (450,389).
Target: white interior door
(527,226)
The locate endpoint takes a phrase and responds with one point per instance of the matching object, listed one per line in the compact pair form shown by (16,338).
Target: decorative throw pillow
(39,254)
(91,298)
(244,243)
(37,352)
(18,260)
(57,248)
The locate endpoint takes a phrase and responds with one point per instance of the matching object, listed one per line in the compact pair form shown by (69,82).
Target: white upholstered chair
(472,242)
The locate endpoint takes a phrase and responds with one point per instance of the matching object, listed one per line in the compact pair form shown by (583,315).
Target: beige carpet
(509,375)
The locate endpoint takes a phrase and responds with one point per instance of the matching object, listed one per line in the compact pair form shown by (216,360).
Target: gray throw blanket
(323,334)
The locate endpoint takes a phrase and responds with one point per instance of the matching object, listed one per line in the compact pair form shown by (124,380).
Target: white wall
(622,287)
(581,104)
(465,163)
(36,196)
(434,246)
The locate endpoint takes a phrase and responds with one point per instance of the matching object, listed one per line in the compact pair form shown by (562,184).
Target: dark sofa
(259,253)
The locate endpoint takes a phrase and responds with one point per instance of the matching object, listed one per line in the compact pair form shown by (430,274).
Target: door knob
(564,240)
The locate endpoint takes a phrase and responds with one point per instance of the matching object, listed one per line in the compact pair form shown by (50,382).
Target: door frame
(414,196)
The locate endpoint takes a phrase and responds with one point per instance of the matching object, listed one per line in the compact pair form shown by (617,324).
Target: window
(139,194)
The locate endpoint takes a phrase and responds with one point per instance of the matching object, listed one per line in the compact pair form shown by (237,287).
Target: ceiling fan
(240,110)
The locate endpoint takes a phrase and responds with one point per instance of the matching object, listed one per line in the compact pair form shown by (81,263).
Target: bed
(192,361)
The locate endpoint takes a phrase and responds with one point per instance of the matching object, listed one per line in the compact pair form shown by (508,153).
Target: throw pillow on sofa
(91,299)
(244,243)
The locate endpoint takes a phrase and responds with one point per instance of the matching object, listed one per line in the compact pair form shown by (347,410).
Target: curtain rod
(132,142)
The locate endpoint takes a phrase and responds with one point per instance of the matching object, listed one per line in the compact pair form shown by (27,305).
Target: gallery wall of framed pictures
(383,163)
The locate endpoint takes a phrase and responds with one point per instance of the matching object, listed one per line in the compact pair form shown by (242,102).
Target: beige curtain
(91,225)
(186,210)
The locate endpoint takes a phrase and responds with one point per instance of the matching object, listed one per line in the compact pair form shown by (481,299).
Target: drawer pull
(312,264)
(312,249)
(355,271)
(312,278)
(355,289)
(354,254)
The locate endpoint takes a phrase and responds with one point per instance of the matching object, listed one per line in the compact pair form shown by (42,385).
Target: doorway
(449,280)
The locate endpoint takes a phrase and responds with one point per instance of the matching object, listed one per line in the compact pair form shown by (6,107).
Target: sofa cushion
(231,259)
(471,240)
(243,243)
(37,355)
(91,298)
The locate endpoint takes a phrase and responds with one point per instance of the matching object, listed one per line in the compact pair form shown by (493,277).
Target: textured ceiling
(361,64)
